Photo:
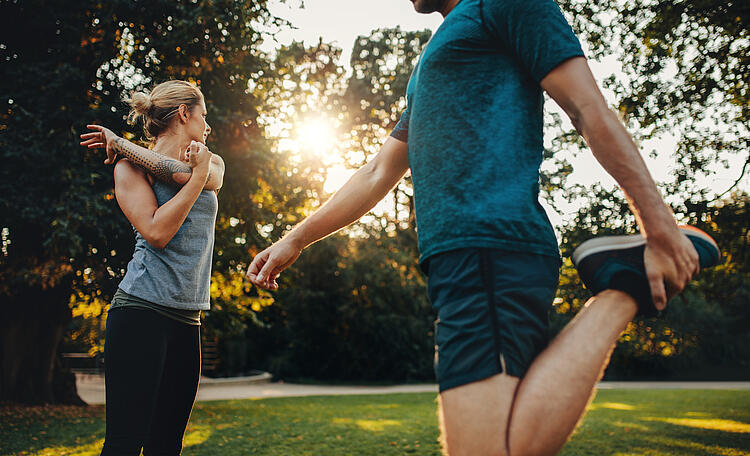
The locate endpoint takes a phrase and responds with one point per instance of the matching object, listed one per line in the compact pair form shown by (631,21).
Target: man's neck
(449,5)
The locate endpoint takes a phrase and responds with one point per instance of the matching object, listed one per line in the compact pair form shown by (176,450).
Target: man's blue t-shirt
(474,125)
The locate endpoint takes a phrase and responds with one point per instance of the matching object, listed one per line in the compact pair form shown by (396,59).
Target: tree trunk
(31,329)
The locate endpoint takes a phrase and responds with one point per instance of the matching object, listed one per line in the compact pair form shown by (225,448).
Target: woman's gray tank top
(179,275)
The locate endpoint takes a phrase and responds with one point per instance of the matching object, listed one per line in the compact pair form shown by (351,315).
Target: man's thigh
(474,417)
(492,308)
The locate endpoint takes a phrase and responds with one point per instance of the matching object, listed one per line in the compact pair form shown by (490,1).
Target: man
(472,136)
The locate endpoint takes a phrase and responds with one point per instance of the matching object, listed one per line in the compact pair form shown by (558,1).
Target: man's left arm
(670,257)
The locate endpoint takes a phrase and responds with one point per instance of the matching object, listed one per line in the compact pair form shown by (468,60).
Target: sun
(316,135)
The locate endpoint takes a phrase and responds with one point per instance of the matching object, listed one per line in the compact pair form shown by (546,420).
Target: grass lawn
(619,422)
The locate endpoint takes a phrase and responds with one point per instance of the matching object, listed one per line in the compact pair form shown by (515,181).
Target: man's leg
(560,382)
(538,415)
(474,417)
(502,415)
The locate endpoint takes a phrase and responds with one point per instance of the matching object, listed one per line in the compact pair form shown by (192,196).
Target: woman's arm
(158,224)
(215,173)
(165,169)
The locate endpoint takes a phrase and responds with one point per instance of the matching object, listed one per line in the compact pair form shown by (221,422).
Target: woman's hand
(101,138)
(199,158)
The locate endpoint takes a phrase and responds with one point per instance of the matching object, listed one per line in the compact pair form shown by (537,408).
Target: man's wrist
(663,231)
(295,239)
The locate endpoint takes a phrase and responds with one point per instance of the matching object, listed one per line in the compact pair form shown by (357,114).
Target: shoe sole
(603,244)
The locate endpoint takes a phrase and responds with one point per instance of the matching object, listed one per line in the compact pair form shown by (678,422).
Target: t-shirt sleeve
(534,30)
(401,130)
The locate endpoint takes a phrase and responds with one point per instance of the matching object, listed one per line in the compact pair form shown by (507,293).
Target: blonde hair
(158,107)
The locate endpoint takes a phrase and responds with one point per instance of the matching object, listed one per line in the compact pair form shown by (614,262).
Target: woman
(152,339)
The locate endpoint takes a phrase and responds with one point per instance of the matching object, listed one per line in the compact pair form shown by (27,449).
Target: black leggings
(152,368)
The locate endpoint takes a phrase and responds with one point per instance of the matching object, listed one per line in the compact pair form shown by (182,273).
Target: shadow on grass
(671,422)
(357,425)
(619,422)
(53,430)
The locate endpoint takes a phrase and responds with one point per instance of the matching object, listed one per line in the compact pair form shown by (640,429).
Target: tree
(64,65)
(374,99)
(703,335)
(684,75)
(685,72)
(55,209)
(351,308)
(362,284)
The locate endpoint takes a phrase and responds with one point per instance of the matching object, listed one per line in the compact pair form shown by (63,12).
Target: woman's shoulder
(127,170)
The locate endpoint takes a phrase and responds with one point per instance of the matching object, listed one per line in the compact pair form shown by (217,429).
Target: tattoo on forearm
(159,166)
(166,168)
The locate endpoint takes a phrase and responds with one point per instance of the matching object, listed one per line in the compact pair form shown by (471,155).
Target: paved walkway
(91,388)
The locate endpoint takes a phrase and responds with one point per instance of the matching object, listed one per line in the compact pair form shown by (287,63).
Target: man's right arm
(365,188)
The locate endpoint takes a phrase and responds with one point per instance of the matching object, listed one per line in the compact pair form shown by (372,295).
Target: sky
(341,21)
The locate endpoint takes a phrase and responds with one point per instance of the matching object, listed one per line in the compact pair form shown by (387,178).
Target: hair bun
(157,107)
(141,103)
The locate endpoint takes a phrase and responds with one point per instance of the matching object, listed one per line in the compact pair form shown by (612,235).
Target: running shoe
(616,263)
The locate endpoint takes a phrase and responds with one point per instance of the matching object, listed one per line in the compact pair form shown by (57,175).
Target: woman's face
(197,127)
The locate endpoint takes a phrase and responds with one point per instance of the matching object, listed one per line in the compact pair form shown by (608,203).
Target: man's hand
(670,264)
(358,195)
(268,264)
(100,138)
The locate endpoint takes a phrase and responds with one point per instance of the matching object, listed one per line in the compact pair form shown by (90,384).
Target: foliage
(683,75)
(354,306)
(52,212)
(332,304)
(65,65)
(686,74)
(374,99)
(638,422)
(86,332)
(56,209)
(350,309)
(703,334)
(349,295)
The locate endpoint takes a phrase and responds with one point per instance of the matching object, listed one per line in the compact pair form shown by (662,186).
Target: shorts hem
(461,380)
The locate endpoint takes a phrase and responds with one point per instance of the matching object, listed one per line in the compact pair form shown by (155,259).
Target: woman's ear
(184,113)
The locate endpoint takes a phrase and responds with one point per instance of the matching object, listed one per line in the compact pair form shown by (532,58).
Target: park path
(91,388)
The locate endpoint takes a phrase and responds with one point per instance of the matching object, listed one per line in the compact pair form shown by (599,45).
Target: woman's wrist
(200,173)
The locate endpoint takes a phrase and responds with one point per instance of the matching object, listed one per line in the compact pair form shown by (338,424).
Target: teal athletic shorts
(492,312)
